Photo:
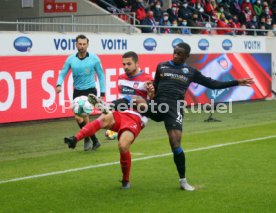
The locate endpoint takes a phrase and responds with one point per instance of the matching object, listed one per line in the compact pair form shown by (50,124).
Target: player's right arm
(62,74)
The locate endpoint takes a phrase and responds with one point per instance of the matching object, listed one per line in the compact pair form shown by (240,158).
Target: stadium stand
(226,14)
(223,17)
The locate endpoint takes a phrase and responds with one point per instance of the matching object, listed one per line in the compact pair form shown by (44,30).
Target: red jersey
(133,85)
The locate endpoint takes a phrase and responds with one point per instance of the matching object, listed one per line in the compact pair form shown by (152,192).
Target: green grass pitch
(235,178)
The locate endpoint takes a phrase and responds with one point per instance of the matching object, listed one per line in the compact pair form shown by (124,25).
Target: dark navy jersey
(171,81)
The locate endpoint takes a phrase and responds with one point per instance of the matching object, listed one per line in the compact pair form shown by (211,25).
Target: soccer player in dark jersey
(128,123)
(171,82)
(84,66)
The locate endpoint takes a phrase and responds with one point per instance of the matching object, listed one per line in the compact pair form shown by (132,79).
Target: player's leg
(102,122)
(179,157)
(173,123)
(82,121)
(125,140)
(128,126)
(134,101)
(96,143)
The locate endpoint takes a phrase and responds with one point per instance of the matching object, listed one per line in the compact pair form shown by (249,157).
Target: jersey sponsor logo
(176,42)
(150,44)
(203,44)
(23,44)
(227,44)
(176,76)
(164,67)
(128,90)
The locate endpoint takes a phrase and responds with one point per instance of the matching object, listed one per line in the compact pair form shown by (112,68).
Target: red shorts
(127,121)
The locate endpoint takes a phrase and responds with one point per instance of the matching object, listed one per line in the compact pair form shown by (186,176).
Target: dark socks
(94,139)
(82,124)
(179,160)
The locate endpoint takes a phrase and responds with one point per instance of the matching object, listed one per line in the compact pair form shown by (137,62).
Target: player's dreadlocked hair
(132,55)
(184,46)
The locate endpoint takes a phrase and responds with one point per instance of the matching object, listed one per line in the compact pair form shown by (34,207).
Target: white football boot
(185,186)
(98,103)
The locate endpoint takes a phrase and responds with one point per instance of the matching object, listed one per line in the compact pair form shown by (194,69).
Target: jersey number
(179,117)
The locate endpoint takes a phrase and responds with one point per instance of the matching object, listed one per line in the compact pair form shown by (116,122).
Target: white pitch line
(135,159)
(137,153)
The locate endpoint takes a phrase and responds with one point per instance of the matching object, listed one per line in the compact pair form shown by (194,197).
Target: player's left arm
(100,74)
(214,84)
(157,77)
(245,82)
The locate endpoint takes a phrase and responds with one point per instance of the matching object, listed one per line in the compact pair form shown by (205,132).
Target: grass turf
(237,178)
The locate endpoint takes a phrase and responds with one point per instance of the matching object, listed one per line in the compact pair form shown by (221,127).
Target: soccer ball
(111,135)
(81,106)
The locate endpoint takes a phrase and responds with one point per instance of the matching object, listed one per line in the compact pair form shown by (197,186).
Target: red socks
(125,160)
(89,129)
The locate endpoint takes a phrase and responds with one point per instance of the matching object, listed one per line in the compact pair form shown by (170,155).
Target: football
(81,106)
(111,135)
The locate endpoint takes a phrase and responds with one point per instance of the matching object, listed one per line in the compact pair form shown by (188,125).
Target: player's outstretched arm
(245,82)
(214,84)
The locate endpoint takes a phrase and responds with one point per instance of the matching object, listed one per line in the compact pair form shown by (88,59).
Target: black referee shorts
(85,92)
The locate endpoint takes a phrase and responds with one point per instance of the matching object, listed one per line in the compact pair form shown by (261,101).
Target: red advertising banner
(50,6)
(27,83)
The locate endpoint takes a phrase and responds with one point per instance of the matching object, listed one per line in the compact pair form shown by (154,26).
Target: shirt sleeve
(100,74)
(157,78)
(64,71)
(211,83)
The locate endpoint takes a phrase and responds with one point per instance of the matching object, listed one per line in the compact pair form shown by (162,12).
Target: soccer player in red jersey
(171,82)
(127,123)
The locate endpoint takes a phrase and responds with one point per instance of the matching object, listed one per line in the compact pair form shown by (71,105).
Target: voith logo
(176,42)
(227,44)
(203,44)
(65,44)
(150,44)
(23,44)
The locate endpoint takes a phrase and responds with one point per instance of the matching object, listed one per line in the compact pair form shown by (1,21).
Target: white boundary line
(135,159)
